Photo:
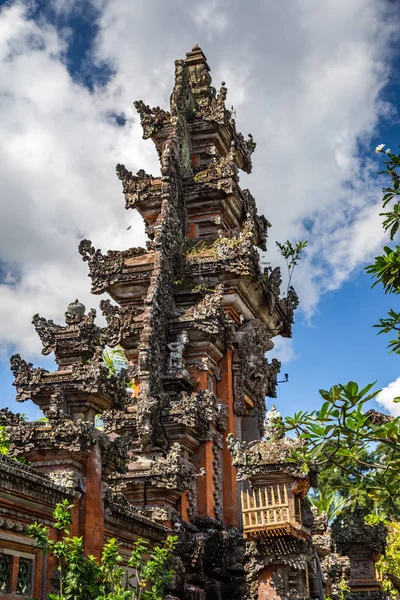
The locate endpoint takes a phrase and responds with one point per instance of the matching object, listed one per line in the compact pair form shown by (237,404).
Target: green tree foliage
(389,565)
(386,268)
(335,478)
(329,501)
(145,577)
(341,433)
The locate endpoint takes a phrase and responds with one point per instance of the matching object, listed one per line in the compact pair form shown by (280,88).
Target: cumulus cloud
(283,350)
(386,396)
(307,83)
(58,151)
(212,15)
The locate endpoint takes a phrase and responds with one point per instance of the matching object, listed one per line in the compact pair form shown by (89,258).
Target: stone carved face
(184,337)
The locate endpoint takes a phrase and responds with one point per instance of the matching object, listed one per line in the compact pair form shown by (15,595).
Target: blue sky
(317,86)
(339,345)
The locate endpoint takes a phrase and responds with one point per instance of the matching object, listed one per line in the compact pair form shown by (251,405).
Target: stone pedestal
(363,544)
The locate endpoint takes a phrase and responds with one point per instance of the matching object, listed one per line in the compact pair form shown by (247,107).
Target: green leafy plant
(4,443)
(115,360)
(388,566)
(386,270)
(391,323)
(344,588)
(78,574)
(391,222)
(328,501)
(151,575)
(83,577)
(292,254)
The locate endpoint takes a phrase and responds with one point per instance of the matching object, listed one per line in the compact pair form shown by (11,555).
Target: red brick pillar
(14,573)
(184,506)
(92,515)
(204,457)
(225,392)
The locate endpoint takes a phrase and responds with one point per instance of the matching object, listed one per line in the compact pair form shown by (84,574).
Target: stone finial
(199,75)
(76,308)
(272,419)
(74,342)
(196,55)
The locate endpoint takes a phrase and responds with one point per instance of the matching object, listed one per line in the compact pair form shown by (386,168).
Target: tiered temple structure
(277,519)
(195,315)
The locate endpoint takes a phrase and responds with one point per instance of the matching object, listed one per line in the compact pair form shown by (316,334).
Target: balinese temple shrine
(195,315)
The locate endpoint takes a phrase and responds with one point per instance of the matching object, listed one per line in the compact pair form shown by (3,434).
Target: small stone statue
(274,285)
(238,450)
(176,350)
(272,420)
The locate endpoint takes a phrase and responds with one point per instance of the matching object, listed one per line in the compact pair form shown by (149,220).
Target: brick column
(92,506)
(14,573)
(225,392)
(204,457)
(184,505)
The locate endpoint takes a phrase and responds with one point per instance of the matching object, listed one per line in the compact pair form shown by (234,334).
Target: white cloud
(58,151)
(307,82)
(283,350)
(386,395)
(211,15)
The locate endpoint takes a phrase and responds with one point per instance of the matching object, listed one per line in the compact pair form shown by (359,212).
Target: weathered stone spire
(195,313)
(199,75)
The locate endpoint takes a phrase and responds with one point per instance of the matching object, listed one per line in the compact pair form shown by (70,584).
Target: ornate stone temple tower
(194,312)
(195,315)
